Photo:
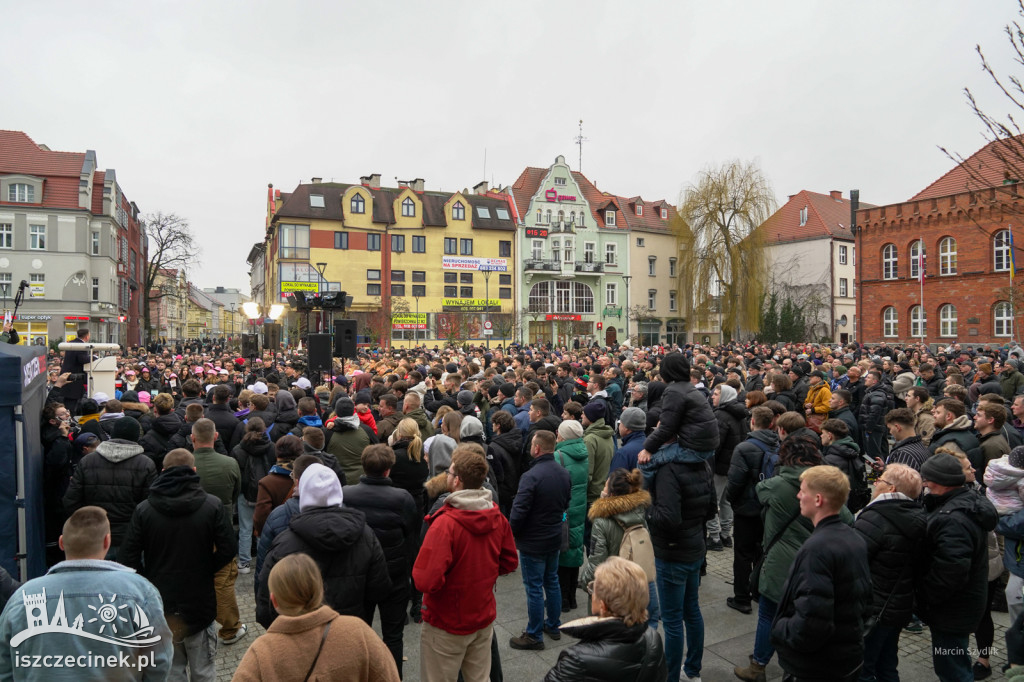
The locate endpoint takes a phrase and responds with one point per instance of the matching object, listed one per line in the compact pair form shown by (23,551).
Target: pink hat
(144,397)
(199,370)
(211,371)
(173,376)
(130,372)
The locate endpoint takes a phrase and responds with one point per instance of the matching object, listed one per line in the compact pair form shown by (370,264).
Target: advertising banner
(471,305)
(409,321)
(468,263)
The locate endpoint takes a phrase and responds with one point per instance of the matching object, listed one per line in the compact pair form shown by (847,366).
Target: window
(609,218)
(890,323)
(652,265)
(504,249)
(21,193)
(505,292)
(1003,314)
(559,181)
(889,261)
(451,292)
(611,294)
(916,252)
(316,201)
(664,214)
(947,256)
(672,300)
(397,243)
(465,292)
(556,250)
(947,320)
(671,267)
(842,287)
(803,216)
(294,241)
(561,297)
(652,298)
(419,290)
(649,331)
(408,208)
(465,278)
(1001,247)
(38,282)
(581,218)
(398,290)
(398,275)
(37,237)
(918,322)
(466,247)
(419,244)
(373,242)
(458,211)
(357,204)
(483,212)
(5,284)
(540,216)
(639,209)
(537,249)
(451,245)
(567,254)
(842,254)
(341,240)
(588,252)
(548,215)
(639,241)
(7,238)
(451,277)
(505,280)
(373,274)
(610,257)
(419,276)
(95,288)
(373,290)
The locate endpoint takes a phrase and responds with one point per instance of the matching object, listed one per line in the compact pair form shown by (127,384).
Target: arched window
(358,205)
(918,322)
(1002,315)
(408,208)
(458,211)
(1001,250)
(549,216)
(916,251)
(890,323)
(561,297)
(583,298)
(889,261)
(572,217)
(540,297)
(947,320)
(561,216)
(947,256)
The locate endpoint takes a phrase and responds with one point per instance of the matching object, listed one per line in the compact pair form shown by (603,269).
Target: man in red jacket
(468,545)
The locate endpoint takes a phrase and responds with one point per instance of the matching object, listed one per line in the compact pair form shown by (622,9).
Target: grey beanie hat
(634,419)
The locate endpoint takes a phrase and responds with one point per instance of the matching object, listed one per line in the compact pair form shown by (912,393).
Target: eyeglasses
(452,473)
(882,480)
(590,587)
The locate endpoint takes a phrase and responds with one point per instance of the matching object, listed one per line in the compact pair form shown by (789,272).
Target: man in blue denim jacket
(86,618)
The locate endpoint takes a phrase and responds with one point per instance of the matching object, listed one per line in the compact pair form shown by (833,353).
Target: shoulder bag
(327,628)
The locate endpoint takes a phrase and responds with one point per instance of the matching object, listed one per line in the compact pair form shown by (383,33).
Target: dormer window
(21,193)
(639,210)
(458,211)
(358,204)
(408,208)
(316,200)
(803,216)
(559,181)
(664,214)
(609,218)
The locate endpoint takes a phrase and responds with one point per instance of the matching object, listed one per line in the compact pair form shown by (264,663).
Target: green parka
(606,535)
(777,496)
(600,449)
(572,454)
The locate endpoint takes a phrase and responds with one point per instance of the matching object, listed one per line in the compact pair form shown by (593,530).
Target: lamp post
(721,331)
(486,269)
(321,268)
(416,326)
(233,321)
(626,278)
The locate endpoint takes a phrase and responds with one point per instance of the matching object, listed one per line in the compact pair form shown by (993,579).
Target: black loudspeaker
(272,336)
(319,348)
(250,345)
(345,339)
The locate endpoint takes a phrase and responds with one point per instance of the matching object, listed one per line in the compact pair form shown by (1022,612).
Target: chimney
(317,181)
(480,187)
(372,181)
(404,183)
(836,194)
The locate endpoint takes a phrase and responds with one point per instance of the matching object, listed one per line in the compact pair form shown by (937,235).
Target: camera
(77,377)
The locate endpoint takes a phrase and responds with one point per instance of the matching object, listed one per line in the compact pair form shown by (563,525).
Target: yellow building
(200,314)
(421,267)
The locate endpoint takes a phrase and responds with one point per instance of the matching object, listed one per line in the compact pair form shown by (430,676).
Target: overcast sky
(198,105)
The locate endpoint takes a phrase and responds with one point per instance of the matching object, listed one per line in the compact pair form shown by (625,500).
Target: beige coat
(352,652)
(924,422)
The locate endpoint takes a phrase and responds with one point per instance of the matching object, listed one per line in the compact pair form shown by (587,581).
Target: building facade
(958,231)
(232,320)
(68,231)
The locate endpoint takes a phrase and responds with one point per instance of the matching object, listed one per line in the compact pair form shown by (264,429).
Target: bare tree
(719,245)
(171,247)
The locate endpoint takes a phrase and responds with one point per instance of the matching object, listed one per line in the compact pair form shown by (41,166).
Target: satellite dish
(842,321)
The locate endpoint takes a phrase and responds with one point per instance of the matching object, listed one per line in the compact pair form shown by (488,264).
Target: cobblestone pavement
(728,639)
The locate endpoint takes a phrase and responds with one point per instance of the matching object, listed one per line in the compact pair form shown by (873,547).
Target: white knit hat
(319,487)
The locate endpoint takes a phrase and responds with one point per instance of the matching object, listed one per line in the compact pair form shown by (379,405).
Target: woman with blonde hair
(410,469)
(615,643)
(312,638)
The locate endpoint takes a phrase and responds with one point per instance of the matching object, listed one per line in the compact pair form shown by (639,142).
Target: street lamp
(321,268)
(233,321)
(487,300)
(721,330)
(416,326)
(627,278)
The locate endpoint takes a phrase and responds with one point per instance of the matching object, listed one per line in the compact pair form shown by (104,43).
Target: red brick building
(963,222)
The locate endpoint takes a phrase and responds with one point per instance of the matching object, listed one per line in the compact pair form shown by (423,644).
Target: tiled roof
(826,217)
(492,204)
(19,154)
(989,167)
(97,192)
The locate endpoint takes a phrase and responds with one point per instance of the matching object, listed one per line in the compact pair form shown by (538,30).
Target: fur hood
(117,450)
(606,507)
(436,486)
(138,407)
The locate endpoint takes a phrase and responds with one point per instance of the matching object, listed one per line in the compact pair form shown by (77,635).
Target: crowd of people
(862,490)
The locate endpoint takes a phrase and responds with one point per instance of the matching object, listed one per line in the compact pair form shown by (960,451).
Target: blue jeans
(950,656)
(653,606)
(763,649)
(881,654)
(540,578)
(245,512)
(671,453)
(678,585)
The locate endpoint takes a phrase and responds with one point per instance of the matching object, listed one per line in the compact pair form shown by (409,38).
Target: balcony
(542,265)
(584,266)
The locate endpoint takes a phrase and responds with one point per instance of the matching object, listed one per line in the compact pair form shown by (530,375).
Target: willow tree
(722,261)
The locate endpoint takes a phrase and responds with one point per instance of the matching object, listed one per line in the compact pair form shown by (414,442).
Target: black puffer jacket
(541,501)
(505,448)
(745,472)
(178,538)
(845,455)
(548,423)
(283,423)
(115,478)
(609,650)
(953,580)
(181,440)
(685,413)
(392,514)
(226,422)
(157,441)
(818,625)
(786,398)
(180,409)
(878,401)
(893,530)
(350,558)
(254,457)
(408,474)
(655,392)
(733,425)
(682,499)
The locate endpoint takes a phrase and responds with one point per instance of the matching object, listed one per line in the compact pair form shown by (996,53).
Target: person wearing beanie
(952,590)
(799,375)
(598,437)
(113,477)
(346,437)
(338,539)
(571,453)
(507,392)
(733,425)
(632,425)
(1011,380)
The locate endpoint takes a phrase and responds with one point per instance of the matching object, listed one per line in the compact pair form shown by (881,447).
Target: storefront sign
(465,263)
(536,232)
(81,318)
(617,312)
(44,317)
(563,318)
(553,195)
(470,305)
(409,321)
(300,286)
